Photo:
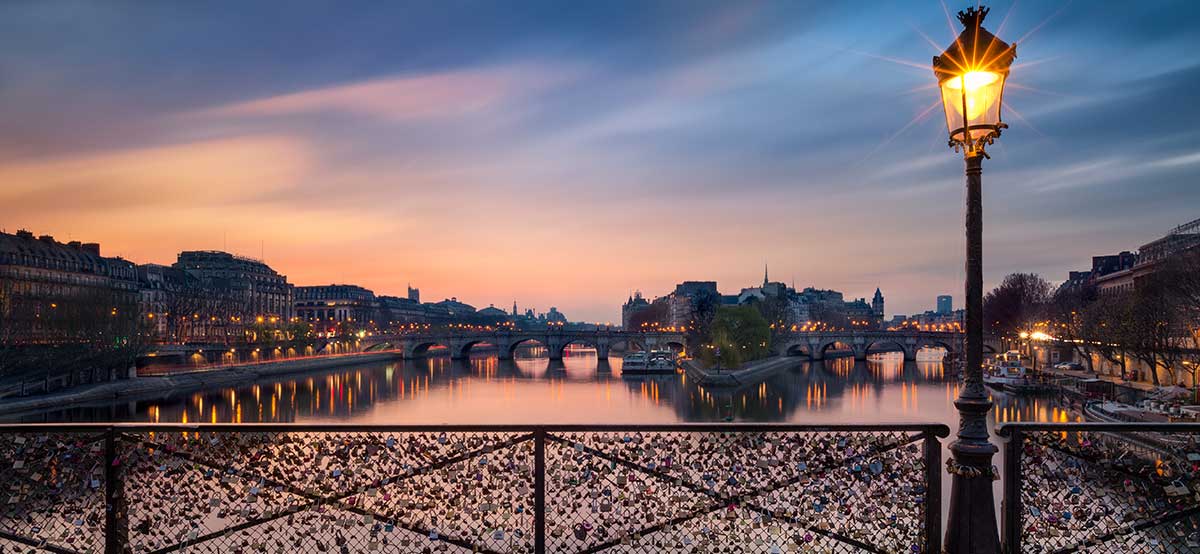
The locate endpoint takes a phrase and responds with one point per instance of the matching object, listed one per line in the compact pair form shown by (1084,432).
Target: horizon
(568,157)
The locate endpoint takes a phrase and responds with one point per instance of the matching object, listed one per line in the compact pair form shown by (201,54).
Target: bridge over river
(814,345)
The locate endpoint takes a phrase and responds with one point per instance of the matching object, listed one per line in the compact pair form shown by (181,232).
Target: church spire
(765,279)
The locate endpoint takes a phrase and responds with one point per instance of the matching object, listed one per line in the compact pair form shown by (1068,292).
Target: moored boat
(1008,374)
(654,362)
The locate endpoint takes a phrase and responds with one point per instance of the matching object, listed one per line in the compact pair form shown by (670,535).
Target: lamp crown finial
(973,17)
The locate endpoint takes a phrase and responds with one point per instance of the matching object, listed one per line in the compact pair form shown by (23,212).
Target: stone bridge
(415,345)
(816,344)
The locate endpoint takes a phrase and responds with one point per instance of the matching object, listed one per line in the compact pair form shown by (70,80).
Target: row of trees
(1157,322)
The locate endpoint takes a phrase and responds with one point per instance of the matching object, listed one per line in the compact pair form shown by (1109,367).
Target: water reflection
(578,389)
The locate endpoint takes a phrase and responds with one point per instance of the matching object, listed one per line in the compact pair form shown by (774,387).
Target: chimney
(92,248)
(46,239)
(24,234)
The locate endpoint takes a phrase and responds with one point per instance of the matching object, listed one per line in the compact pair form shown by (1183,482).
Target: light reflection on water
(579,389)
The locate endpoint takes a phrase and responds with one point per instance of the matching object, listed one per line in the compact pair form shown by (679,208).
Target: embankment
(184,382)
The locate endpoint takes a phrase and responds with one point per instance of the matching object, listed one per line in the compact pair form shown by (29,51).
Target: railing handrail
(1006,429)
(935,429)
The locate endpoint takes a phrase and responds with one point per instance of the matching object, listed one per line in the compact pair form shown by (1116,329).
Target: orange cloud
(446,94)
(214,171)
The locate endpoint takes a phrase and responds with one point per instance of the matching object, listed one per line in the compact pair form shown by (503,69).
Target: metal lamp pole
(971,75)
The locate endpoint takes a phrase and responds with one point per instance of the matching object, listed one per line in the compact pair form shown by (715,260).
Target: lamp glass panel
(979,92)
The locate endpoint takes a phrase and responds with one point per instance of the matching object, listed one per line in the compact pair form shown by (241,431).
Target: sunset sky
(566,153)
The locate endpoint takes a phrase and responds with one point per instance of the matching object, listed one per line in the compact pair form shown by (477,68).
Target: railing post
(116,532)
(1011,505)
(933,493)
(539,490)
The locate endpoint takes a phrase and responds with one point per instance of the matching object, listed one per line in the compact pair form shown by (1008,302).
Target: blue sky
(565,153)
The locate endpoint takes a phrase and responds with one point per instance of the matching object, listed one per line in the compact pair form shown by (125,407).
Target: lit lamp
(971,75)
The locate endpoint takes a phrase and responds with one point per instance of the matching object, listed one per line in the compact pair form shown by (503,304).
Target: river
(580,389)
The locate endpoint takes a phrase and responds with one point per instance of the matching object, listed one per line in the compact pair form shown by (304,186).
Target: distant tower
(414,294)
(765,279)
(877,303)
(514,312)
(945,304)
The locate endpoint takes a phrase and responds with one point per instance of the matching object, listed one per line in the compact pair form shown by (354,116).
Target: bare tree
(1067,310)
(1107,328)
(1015,304)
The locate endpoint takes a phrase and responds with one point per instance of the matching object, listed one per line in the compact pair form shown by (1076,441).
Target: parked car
(1069,366)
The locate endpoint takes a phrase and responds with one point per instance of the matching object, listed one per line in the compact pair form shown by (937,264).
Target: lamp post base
(972,528)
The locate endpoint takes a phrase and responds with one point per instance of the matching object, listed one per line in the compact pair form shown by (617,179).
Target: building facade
(250,288)
(336,304)
(53,292)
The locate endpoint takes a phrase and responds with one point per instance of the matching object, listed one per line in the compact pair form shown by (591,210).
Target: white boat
(1006,369)
(655,362)
(1008,374)
(635,361)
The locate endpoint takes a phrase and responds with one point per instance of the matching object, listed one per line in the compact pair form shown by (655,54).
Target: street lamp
(971,74)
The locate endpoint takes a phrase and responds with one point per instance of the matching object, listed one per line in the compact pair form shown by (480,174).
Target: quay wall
(184,382)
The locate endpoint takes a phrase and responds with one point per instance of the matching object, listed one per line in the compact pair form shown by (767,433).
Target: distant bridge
(460,343)
(814,345)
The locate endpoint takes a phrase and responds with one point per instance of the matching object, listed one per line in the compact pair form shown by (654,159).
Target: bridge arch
(830,343)
(464,350)
(934,343)
(516,342)
(874,345)
(625,344)
(420,349)
(796,348)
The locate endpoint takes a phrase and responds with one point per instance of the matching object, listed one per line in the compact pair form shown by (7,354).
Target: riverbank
(746,374)
(184,382)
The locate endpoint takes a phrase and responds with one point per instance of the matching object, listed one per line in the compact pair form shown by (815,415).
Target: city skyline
(565,157)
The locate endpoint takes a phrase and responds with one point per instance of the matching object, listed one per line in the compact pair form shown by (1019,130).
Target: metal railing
(1101,487)
(504,488)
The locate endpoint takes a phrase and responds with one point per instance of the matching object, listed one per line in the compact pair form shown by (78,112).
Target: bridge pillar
(910,353)
(860,353)
(505,349)
(602,350)
(554,348)
(815,352)
(458,350)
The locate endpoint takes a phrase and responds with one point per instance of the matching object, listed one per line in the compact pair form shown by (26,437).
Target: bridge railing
(1101,487)
(340,488)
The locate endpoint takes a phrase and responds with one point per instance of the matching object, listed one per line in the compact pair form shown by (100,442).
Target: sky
(567,153)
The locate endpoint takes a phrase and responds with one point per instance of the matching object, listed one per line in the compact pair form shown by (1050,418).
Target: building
(394,311)
(635,304)
(492,314)
(555,316)
(337,304)
(454,308)
(877,304)
(414,294)
(250,288)
(945,304)
(1120,272)
(53,292)
(172,301)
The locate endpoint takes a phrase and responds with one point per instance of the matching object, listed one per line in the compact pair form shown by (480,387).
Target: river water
(580,389)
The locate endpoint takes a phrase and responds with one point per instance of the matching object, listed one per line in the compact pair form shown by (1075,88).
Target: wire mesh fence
(1119,488)
(501,489)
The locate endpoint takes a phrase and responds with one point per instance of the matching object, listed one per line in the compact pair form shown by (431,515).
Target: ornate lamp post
(971,75)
